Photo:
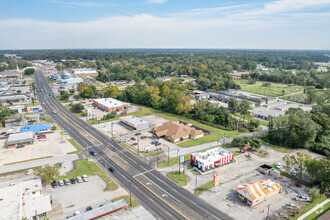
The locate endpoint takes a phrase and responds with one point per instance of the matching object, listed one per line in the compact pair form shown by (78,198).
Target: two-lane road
(163,198)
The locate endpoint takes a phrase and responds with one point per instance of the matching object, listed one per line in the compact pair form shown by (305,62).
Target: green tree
(313,194)
(77,108)
(233,105)
(47,173)
(255,143)
(313,167)
(5,113)
(300,161)
(244,107)
(29,71)
(64,96)
(287,163)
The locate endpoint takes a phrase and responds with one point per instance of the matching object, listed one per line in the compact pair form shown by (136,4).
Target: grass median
(172,161)
(180,179)
(134,202)
(21,161)
(204,187)
(85,167)
(78,148)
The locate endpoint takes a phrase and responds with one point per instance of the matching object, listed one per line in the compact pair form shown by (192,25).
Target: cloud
(279,6)
(77,3)
(156,1)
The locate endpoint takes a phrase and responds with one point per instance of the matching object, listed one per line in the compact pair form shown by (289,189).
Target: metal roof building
(20,138)
(36,128)
(134,123)
(101,211)
(265,115)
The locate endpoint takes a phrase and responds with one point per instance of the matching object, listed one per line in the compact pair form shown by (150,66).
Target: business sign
(216,179)
(63,133)
(35,110)
(181,159)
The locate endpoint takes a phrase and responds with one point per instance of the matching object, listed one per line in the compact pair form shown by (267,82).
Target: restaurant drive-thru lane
(163,198)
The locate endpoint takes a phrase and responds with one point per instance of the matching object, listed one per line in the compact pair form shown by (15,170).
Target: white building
(25,199)
(110,104)
(134,123)
(72,80)
(83,71)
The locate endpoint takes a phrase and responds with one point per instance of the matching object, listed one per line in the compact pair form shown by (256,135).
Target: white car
(29,172)
(76,213)
(12,184)
(291,206)
(79,180)
(302,198)
(85,178)
(278,165)
(61,183)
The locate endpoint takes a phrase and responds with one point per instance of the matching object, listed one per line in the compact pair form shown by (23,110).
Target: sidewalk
(314,209)
(175,151)
(35,163)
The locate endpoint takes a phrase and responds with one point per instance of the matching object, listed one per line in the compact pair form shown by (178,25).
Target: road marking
(164,195)
(84,156)
(161,198)
(149,183)
(143,173)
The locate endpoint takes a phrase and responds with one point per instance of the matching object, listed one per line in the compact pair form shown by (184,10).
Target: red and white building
(110,104)
(211,159)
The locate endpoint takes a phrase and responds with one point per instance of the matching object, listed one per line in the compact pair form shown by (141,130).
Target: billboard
(35,110)
(216,179)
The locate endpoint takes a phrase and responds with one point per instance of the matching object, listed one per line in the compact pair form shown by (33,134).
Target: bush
(77,108)
(29,71)
(109,115)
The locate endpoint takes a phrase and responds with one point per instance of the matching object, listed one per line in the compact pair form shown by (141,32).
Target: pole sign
(216,179)
(35,110)
(63,133)
(181,159)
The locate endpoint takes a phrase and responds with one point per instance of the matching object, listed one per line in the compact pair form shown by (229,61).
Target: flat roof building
(258,110)
(271,113)
(13,98)
(110,104)
(25,199)
(306,108)
(275,104)
(255,193)
(83,71)
(20,138)
(284,108)
(134,123)
(36,128)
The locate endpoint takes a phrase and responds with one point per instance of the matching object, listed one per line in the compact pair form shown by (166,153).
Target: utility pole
(196,182)
(224,139)
(138,141)
(168,154)
(268,212)
(237,124)
(130,194)
(157,158)
(106,169)
(111,129)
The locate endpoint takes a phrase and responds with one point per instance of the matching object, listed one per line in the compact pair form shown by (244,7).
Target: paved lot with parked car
(69,198)
(52,146)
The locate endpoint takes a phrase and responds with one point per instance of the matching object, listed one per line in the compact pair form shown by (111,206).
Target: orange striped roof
(256,190)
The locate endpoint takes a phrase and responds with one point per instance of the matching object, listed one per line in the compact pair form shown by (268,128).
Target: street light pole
(157,158)
(168,155)
(130,194)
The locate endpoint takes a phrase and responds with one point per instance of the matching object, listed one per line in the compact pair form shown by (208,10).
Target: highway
(162,197)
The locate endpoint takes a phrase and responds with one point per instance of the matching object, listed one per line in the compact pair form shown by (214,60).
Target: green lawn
(180,179)
(236,153)
(204,187)
(172,161)
(152,153)
(85,167)
(79,149)
(278,148)
(315,214)
(216,133)
(134,202)
(275,89)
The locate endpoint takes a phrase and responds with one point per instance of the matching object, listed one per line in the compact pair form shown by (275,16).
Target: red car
(133,138)
(41,136)
(54,184)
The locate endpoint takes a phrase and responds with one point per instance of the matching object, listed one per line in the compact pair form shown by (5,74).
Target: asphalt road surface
(162,197)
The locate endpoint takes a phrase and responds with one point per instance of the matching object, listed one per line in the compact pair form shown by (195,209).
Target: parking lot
(53,146)
(69,198)
(121,132)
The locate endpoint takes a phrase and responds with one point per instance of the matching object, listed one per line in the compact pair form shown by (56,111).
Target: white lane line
(143,173)
(84,156)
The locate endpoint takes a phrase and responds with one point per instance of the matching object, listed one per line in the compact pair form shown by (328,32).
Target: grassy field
(315,214)
(172,161)
(134,202)
(85,167)
(216,133)
(180,179)
(274,89)
(204,187)
(278,148)
(79,149)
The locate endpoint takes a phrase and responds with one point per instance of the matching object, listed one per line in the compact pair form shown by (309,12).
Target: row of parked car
(78,179)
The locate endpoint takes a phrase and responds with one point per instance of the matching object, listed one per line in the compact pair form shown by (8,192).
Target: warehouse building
(255,193)
(306,108)
(20,138)
(284,108)
(275,104)
(271,113)
(110,104)
(83,71)
(13,98)
(134,123)
(25,199)
(258,110)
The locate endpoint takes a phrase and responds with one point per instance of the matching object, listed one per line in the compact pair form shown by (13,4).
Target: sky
(218,24)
